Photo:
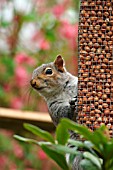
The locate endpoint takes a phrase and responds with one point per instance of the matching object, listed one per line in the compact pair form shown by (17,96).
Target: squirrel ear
(59,63)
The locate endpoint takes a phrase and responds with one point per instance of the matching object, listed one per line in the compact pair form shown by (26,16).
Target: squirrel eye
(48,71)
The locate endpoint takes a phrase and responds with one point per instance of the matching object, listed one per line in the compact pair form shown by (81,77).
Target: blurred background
(32,32)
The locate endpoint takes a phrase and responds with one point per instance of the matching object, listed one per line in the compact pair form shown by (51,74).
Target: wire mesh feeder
(95,72)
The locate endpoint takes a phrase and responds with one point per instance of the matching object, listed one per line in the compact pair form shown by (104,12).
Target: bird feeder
(95,64)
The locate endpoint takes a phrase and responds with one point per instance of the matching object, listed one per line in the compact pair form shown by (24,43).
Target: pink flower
(16,103)
(73,44)
(37,36)
(12,166)
(58,10)
(68,30)
(3,161)
(44,44)
(21,76)
(18,151)
(22,58)
(42,155)
(40,41)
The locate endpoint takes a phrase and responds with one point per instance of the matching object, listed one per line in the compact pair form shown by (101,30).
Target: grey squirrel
(59,89)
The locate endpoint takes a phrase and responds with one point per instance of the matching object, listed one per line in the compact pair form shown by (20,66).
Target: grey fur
(58,104)
(59,96)
(76,163)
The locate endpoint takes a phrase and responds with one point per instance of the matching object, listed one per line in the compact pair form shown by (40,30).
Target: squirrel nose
(33,82)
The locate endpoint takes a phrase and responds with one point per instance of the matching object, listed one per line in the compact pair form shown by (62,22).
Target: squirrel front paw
(72,102)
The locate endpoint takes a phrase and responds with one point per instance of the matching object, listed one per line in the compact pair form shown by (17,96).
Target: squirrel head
(49,78)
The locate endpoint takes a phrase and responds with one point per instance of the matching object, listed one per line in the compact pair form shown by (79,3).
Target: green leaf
(39,132)
(57,157)
(90,147)
(23,139)
(65,150)
(100,136)
(88,144)
(50,35)
(82,130)
(95,160)
(28,140)
(109,150)
(85,145)
(5,24)
(76,143)
(109,164)
(101,140)
(87,165)
(30,17)
(62,135)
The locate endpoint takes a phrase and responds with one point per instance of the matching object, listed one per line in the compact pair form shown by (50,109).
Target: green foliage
(95,160)
(5,143)
(16,154)
(9,66)
(59,158)
(2,93)
(61,131)
(97,147)
(37,131)
(25,139)
(87,164)
(30,17)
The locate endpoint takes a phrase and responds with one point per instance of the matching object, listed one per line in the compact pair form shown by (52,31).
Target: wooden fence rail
(14,119)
